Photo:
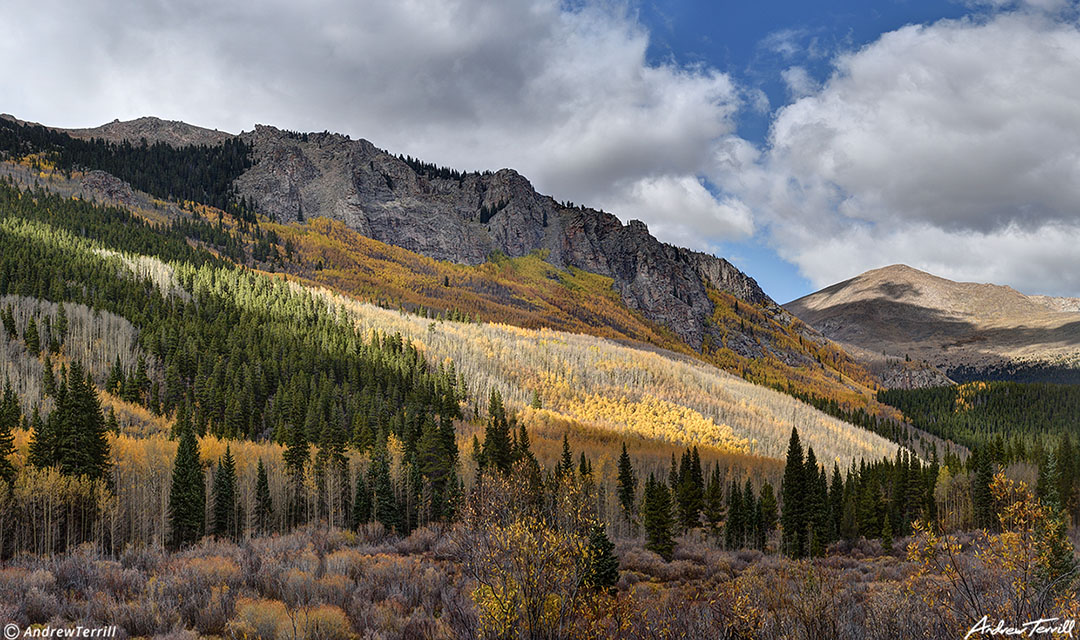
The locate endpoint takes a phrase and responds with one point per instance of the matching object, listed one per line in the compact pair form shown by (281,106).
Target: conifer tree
(793,495)
(264,504)
(498,453)
(656,518)
(751,516)
(384,502)
(48,378)
(816,505)
(225,523)
(769,514)
(566,462)
(714,501)
(187,498)
(733,526)
(31,338)
(601,564)
(627,490)
(10,416)
(361,503)
(295,457)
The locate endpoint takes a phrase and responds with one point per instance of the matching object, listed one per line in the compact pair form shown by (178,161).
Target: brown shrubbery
(486,576)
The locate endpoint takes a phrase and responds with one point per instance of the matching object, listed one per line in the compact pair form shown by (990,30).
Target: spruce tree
(224,495)
(601,565)
(187,498)
(627,490)
(769,513)
(384,502)
(10,416)
(264,504)
(714,501)
(657,519)
(295,456)
(733,526)
(566,462)
(793,496)
(816,506)
(31,338)
(361,503)
(498,453)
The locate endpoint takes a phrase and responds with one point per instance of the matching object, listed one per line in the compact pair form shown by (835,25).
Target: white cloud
(954,147)
(681,210)
(798,81)
(565,96)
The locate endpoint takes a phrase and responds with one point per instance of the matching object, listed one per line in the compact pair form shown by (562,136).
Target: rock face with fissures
(468,217)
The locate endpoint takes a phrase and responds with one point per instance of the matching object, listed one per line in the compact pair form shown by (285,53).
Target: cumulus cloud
(563,94)
(952,147)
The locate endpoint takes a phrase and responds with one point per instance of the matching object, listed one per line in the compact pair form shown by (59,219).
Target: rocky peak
(465,217)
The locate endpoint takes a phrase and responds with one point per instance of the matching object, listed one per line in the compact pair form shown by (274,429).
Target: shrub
(326,622)
(260,619)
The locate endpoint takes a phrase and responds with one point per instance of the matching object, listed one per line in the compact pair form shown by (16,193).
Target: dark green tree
(187,498)
(264,503)
(793,495)
(657,519)
(627,489)
(601,564)
(225,523)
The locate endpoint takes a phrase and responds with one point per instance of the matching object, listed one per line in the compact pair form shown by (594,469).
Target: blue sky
(805,141)
(755,42)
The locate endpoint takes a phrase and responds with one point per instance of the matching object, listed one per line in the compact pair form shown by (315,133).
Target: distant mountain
(898,319)
(151,129)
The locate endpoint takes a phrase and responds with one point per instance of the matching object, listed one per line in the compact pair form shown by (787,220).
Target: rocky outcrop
(465,218)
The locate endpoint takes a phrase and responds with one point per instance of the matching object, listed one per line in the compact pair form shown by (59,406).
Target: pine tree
(601,565)
(187,498)
(224,496)
(361,503)
(384,502)
(264,504)
(31,338)
(296,457)
(566,463)
(714,501)
(627,490)
(981,498)
(82,444)
(498,452)
(657,520)
(733,526)
(10,416)
(793,495)
(769,514)
(48,378)
(816,506)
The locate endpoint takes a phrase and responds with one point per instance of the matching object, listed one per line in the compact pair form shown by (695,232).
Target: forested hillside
(749,336)
(201,429)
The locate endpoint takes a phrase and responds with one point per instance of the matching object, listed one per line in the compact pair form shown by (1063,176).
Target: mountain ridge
(466,218)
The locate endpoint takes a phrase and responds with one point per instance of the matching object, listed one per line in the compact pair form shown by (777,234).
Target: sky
(805,142)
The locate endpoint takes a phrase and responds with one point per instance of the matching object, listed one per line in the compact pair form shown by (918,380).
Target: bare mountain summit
(171,132)
(963,329)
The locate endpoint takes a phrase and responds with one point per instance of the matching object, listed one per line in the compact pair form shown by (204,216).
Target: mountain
(402,233)
(467,217)
(898,319)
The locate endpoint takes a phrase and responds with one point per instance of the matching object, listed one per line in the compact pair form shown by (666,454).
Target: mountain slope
(465,218)
(402,233)
(966,330)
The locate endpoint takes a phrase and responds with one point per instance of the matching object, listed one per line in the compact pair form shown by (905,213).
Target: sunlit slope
(766,346)
(601,383)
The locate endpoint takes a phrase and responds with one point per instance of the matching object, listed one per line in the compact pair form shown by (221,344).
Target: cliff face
(465,218)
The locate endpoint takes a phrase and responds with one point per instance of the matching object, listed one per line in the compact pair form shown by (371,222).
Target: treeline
(432,171)
(200,173)
(979,412)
